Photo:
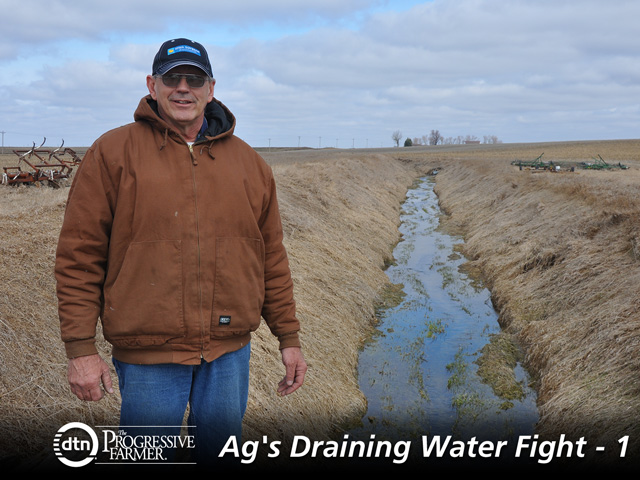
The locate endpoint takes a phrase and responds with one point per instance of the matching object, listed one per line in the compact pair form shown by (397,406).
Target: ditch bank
(559,255)
(340,215)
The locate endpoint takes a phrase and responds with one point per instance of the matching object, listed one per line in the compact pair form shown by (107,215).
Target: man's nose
(183,85)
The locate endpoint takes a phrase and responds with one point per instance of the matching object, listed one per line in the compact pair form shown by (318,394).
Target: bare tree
(397,136)
(491,139)
(435,138)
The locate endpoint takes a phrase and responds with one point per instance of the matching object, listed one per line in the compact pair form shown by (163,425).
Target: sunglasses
(174,79)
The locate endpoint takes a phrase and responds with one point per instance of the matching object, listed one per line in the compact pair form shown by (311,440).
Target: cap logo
(183,48)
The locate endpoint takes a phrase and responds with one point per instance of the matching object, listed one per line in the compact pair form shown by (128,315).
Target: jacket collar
(220,121)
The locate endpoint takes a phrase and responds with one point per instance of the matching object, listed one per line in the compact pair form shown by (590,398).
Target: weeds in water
(458,370)
(496,367)
(434,328)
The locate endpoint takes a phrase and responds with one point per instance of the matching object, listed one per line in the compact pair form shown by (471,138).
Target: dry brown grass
(559,251)
(340,216)
(560,254)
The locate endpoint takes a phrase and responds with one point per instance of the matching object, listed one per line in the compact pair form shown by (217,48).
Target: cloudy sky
(345,73)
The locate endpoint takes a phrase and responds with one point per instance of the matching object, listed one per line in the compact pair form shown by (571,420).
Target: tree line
(436,138)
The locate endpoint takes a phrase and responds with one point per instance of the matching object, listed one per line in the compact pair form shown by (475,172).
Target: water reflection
(419,373)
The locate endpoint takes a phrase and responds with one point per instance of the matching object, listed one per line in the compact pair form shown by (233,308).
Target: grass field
(559,251)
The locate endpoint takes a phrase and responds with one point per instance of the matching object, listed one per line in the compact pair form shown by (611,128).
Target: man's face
(181,106)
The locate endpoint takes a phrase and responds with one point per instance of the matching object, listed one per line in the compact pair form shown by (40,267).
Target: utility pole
(3,132)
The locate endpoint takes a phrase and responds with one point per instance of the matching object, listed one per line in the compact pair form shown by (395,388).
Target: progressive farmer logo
(75,444)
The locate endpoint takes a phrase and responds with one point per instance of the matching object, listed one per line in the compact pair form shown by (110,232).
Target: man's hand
(86,375)
(295,369)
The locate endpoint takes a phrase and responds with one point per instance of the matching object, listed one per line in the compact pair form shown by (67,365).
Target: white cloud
(521,70)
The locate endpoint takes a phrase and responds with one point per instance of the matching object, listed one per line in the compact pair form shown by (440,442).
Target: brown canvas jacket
(177,250)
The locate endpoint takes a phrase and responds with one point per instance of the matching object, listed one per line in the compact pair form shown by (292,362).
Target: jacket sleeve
(279,309)
(81,254)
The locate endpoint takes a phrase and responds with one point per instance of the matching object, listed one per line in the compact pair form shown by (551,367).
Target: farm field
(559,251)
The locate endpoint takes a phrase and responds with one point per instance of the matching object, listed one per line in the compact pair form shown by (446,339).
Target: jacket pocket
(238,292)
(144,305)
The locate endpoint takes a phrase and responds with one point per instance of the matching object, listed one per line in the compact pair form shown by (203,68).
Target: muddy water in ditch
(419,372)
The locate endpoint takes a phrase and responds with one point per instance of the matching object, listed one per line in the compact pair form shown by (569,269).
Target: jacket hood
(220,121)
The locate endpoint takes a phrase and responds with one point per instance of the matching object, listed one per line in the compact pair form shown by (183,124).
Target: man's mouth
(181,101)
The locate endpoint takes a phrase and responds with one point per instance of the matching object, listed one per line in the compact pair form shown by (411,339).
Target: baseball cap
(181,51)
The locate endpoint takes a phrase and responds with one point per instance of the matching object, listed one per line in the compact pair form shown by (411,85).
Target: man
(172,237)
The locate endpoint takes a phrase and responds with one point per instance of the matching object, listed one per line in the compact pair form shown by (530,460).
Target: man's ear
(151,85)
(211,85)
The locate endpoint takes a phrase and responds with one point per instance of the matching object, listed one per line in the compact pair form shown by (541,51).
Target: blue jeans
(157,396)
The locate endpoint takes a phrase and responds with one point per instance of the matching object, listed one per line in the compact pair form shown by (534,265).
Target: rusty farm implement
(37,165)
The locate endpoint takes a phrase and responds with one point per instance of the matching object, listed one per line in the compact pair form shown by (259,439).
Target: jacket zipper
(195,200)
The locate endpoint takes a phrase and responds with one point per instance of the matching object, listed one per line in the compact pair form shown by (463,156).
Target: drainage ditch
(438,363)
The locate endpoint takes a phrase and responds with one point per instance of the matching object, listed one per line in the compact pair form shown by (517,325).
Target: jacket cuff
(289,340)
(80,348)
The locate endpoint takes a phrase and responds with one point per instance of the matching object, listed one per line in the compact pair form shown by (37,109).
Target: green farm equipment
(600,164)
(536,164)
